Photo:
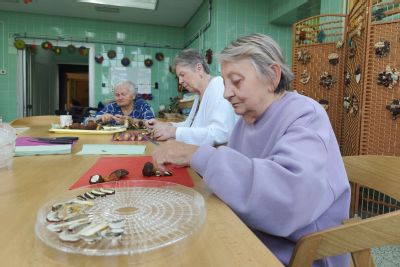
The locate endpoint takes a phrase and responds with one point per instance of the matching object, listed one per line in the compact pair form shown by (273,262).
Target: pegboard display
(319,61)
(354,83)
(380,125)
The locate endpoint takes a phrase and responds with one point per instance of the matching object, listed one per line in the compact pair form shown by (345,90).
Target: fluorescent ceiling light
(145,4)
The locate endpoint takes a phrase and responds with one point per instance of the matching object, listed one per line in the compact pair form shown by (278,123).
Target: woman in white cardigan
(212,118)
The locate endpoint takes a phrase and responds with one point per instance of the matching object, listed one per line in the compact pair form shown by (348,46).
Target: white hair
(262,51)
(131,86)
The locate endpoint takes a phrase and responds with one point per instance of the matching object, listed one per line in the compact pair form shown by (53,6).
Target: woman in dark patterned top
(126,104)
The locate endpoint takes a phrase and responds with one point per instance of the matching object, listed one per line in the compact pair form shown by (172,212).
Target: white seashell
(93,229)
(66,236)
(117,224)
(358,78)
(52,216)
(107,191)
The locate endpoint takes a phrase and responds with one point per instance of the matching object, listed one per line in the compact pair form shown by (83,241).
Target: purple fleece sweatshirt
(283,175)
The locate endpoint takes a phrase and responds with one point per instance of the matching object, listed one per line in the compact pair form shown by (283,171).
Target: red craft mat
(105,165)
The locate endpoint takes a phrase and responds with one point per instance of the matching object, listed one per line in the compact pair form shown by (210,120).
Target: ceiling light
(144,4)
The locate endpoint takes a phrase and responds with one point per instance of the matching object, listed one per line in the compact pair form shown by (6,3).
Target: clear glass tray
(157,214)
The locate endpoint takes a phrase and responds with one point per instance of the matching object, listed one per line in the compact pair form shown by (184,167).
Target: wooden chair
(380,173)
(46,120)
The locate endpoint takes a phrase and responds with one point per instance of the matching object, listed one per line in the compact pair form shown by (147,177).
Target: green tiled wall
(143,36)
(233,18)
(230,19)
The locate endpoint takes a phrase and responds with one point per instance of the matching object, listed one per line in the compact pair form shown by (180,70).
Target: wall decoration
(321,36)
(71,49)
(99,58)
(324,103)
(382,48)
(357,74)
(352,49)
(394,108)
(160,56)
(47,45)
(314,39)
(148,62)
(57,50)
(339,44)
(303,56)
(333,58)
(347,78)
(19,44)
(209,56)
(83,51)
(125,61)
(305,77)
(389,77)
(111,54)
(351,105)
(326,80)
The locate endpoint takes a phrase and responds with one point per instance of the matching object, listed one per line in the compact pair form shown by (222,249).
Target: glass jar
(7,144)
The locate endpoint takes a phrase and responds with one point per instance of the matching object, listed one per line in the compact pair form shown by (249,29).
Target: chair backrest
(358,236)
(36,120)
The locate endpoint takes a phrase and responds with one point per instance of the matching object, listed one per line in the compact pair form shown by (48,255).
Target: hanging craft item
(352,49)
(347,78)
(357,74)
(351,105)
(303,56)
(209,55)
(382,48)
(326,80)
(321,36)
(125,62)
(83,51)
(32,48)
(160,56)
(389,77)
(47,45)
(57,50)
(378,14)
(99,58)
(19,44)
(71,49)
(148,62)
(111,54)
(305,77)
(324,103)
(333,58)
(339,44)
(394,108)
(302,36)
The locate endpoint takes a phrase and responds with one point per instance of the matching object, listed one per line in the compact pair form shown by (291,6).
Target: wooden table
(33,181)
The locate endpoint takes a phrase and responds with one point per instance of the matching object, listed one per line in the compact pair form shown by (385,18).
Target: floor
(388,256)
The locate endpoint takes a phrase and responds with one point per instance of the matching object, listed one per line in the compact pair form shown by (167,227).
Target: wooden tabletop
(32,181)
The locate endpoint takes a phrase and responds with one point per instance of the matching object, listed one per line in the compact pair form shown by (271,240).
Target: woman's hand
(164,132)
(173,152)
(152,123)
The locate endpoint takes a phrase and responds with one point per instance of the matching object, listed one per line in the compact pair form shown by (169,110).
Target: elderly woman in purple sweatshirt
(281,172)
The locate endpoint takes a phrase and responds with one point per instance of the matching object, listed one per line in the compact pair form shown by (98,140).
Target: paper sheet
(105,149)
(42,150)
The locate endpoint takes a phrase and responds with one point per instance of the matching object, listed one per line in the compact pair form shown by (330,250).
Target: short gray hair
(131,86)
(262,51)
(190,57)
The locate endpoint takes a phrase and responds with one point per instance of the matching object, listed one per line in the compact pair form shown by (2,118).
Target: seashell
(107,191)
(333,58)
(89,195)
(52,216)
(167,173)
(117,224)
(96,178)
(98,193)
(93,229)
(68,237)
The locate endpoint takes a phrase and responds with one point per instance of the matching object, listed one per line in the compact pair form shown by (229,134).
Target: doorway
(73,86)
(41,88)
